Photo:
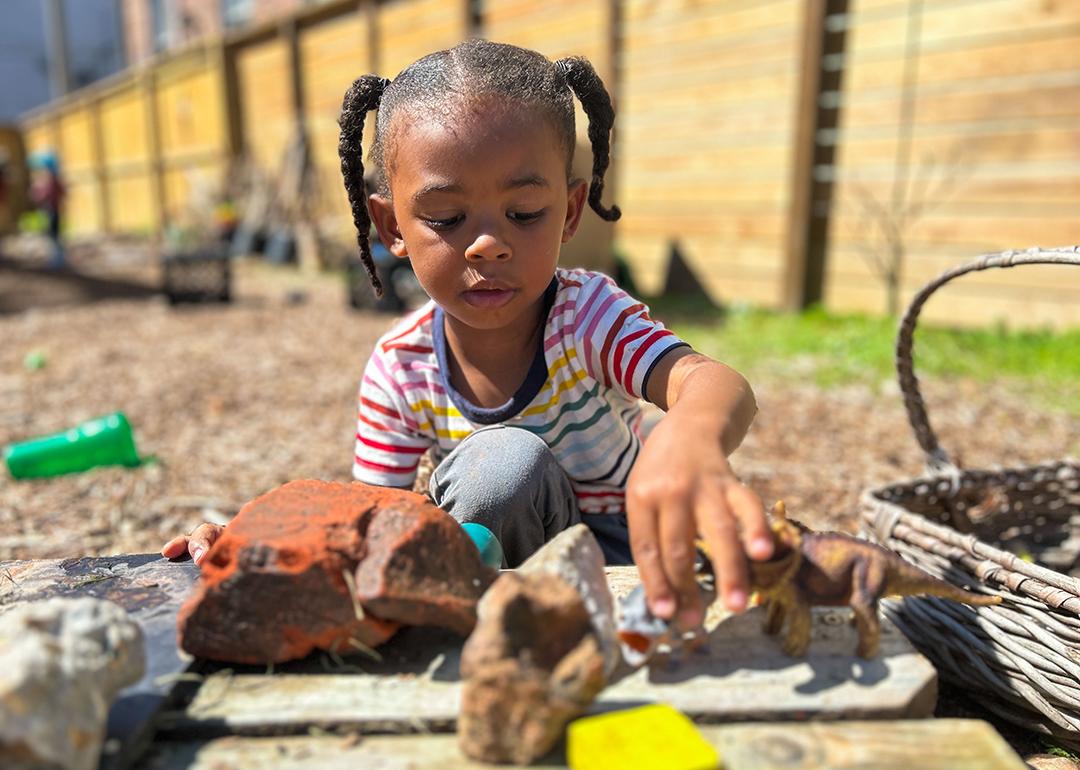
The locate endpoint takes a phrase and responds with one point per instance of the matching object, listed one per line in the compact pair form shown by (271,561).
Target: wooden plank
(741,675)
(941,744)
(151,589)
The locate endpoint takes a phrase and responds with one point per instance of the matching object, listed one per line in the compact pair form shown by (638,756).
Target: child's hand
(682,488)
(197,543)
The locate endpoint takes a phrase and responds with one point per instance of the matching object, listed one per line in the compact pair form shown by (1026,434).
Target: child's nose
(487,247)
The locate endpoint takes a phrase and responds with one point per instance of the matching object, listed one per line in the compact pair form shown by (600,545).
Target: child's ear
(575,205)
(382,215)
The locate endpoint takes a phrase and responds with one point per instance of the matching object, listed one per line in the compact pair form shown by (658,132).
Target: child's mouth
(487,298)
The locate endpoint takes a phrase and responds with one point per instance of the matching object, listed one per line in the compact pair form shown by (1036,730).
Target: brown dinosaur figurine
(832,569)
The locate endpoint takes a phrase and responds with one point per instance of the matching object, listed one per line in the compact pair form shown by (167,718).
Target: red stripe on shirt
(407,347)
(379,408)
(372,423)
(616,364)
(422,319)
(612,334)
(409,450)
(385,468)
(628,379)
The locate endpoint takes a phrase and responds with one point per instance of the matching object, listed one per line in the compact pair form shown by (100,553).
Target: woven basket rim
(932,476)
(992,558)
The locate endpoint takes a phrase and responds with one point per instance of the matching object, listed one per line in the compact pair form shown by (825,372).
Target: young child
(523,377)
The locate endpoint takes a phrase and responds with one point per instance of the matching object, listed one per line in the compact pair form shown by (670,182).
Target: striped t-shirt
(581,395)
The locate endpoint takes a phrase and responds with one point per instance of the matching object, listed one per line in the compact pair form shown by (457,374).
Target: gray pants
(507,479)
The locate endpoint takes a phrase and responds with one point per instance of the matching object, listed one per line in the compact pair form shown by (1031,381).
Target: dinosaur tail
(908,580)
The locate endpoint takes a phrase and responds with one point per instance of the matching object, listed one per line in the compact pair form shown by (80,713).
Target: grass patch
(831,349)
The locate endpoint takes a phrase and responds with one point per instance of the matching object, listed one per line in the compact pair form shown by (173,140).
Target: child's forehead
(473,124)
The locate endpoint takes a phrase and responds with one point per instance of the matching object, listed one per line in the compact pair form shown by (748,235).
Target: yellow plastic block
(655,737)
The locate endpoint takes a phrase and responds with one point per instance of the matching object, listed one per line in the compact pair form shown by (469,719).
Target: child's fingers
(677,534)
(748,510)
(717,525)
(645,547)
(201,539)
(175,548)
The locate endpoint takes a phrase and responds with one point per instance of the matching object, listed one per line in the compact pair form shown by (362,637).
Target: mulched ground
(232,400)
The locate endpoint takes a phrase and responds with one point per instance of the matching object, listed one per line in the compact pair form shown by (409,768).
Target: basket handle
(936,458)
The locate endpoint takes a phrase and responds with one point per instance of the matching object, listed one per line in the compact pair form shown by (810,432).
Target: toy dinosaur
(824,569)
(832,569)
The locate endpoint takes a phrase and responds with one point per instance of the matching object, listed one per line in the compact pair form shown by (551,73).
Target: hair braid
(590,91)
(363,95)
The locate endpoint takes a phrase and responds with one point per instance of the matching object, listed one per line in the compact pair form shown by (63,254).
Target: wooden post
(371,7)
(290,30)
(153,131)
(811,193)
(230,92)
(101,172)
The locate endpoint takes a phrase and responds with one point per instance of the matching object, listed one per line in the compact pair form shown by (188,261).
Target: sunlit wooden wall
(965,112)
(704,141)
(991,158)
(333,54)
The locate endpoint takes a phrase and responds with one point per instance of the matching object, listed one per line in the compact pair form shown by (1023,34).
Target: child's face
(481,205)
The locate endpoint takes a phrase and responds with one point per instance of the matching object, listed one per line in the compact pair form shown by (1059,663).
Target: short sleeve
(388,448)
(616,339)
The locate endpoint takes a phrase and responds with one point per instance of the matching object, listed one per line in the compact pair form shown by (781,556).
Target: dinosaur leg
(869,628)
(774,617)
(797,640)
(868,583)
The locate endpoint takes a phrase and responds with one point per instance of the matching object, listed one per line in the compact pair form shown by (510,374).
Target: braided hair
(473,68)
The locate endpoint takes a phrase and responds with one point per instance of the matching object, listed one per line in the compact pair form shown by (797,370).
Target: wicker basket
(985,530)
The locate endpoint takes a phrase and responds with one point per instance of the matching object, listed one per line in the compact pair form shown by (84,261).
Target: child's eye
(443,223)
(524,217)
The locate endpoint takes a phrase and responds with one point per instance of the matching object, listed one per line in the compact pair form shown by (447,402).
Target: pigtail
(590,91)
(363,95)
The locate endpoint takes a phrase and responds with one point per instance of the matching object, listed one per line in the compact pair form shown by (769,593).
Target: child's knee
(494,462)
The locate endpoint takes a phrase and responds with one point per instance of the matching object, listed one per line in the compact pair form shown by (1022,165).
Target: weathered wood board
(741,675)
(151,589)
(941,744)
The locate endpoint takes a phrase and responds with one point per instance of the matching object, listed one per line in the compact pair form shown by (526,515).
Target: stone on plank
(533,663)
(64,662)
(575,556)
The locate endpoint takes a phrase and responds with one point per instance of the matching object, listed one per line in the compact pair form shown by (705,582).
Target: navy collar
(534,380)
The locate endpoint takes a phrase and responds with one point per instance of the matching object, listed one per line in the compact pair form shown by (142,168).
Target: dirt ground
(232,400)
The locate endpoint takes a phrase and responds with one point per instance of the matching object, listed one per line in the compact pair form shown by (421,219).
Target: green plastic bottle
(491,552)
(102,441)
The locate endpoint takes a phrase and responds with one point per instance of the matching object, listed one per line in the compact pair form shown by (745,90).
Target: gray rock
(575,556)
(64,662)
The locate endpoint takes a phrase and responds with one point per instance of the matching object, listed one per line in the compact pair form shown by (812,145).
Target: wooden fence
(788,152)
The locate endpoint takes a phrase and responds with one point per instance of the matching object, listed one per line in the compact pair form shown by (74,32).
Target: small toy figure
(833,569)
(808,569)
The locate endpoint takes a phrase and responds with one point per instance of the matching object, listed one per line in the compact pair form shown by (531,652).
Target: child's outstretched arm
(682,487)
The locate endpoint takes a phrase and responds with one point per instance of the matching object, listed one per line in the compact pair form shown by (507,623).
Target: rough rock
(1051,762)
(575,556)
(319,565)
(532,664)
(64,662)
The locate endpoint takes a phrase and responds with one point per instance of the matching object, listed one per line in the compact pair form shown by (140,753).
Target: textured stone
(318,565)
(532,664)
(575,556)
(64,660)
(1051,762)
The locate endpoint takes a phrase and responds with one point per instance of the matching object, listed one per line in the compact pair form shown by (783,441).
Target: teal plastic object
(491,552)
(102,441)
